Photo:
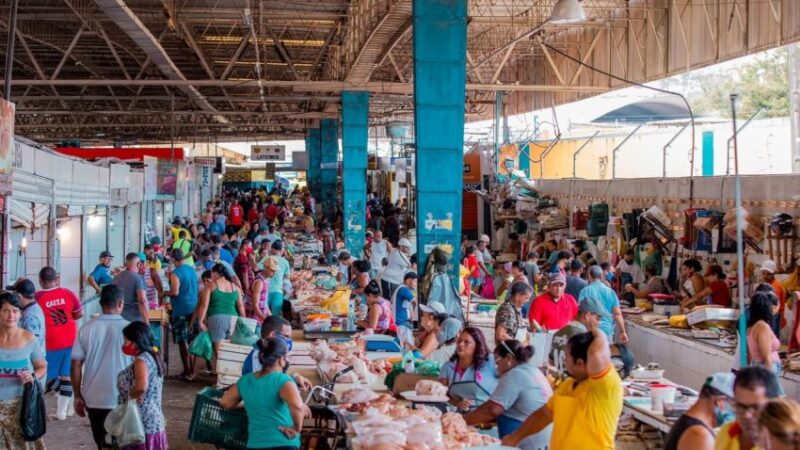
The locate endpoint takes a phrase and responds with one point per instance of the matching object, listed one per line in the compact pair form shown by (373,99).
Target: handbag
(32,418)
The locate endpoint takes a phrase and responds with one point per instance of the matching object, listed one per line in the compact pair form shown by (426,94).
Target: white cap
(769,266)
(432,308)
(404,243)
(485,238)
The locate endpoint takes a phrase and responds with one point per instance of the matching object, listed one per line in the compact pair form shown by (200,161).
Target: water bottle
(351,316)
(408,363)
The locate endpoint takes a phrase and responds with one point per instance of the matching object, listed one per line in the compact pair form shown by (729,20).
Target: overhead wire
(652,88)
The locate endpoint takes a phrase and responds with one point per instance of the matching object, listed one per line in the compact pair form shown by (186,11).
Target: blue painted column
(355,128)
(440,47)
(708,153)
(329,166)
(314,159)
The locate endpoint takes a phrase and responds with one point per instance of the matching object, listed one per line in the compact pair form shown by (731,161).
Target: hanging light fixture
(567,11)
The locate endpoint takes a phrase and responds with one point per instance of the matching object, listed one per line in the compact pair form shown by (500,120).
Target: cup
(660,394)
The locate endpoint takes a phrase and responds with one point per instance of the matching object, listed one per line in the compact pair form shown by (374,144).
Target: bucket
(660,394)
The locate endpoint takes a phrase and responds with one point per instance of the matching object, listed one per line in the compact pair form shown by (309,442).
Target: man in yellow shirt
(585,408)
(752,390)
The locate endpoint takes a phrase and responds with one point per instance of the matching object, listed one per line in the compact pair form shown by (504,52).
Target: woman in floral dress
(143,381)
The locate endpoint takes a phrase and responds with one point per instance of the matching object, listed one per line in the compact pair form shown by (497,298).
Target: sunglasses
(741,408)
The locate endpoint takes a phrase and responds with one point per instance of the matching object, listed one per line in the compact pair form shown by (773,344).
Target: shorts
(275,300)
(59,363)
(181,334)
(219,327)
(474,281)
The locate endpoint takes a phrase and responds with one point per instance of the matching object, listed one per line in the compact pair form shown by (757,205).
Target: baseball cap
(106,254)
(557,277)
(404,243)
(564,254)
(592,305)
(576,264)
(485,238)
(24,287)
(769,266)
(410,275)
(432,308)
(722,381)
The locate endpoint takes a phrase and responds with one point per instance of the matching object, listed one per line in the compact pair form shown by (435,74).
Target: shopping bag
(201,346)
(33,417)
(243,334)
(125,424)
(488,288)
(541,342)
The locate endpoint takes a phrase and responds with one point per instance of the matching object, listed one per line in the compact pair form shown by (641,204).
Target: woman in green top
(275,410)
(220,304)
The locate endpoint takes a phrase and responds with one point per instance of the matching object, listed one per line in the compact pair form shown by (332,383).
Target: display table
(639,408)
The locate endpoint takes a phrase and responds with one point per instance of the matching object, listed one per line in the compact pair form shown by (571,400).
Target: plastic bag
(33,417)
(243,334)
(125,424)
(201,346)
(488,288)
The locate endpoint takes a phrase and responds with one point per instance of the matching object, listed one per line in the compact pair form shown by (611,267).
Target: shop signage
(205,176)
(166,179)
(267,152)
(205,161)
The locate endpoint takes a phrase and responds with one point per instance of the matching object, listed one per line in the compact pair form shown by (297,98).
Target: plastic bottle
(408,363)
(351,316)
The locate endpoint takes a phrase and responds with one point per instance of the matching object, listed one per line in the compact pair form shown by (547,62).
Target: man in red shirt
(61,308)
(236,216)
(555,308)
(272,211)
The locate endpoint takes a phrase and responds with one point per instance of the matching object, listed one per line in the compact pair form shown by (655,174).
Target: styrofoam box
(712,314)
(231,358)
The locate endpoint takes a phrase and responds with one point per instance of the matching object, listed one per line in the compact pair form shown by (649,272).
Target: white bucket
(660,394)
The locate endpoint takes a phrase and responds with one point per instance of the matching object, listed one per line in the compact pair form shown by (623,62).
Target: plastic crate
(213,425)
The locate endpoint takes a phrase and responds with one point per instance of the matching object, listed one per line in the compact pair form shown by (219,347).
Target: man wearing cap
(590,313)
(133,289)
(258,306)
(509,322)
(767,273)
(101,275)
(555,308)
(575,282)
(277,281)
(183,291)
(32,318)
(399,263)
(598,290)
(693,430)
(403,301)
(483,255)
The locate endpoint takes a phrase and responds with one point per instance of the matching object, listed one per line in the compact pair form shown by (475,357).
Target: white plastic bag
(125,424)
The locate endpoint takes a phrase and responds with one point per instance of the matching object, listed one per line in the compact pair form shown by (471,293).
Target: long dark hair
(222,271)
(481,349)
(270,350)
(760,308)
(141,337)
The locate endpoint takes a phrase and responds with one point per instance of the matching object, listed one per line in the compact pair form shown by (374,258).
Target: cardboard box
(408,382)
(712,314)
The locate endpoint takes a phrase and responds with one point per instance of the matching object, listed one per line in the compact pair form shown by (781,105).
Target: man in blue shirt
(403,300)
(598,290)
(183,290)
(224,253)
(274,326)
(101,275)
(575,283)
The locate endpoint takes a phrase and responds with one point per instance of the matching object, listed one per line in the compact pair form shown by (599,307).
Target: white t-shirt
(398,265)
(379,251)
(631,269)
(99,346)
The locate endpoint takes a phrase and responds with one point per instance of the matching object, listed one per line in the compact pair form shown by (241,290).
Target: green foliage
(761,80)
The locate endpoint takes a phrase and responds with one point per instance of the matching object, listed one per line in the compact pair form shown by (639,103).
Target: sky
(522,125)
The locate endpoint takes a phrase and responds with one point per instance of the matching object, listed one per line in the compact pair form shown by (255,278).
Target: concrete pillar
(355,131)
(313,173)
(440,46)
(329,166)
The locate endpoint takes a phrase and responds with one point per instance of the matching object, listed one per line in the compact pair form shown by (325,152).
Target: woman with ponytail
(143,381)
(275,410)
(521,391)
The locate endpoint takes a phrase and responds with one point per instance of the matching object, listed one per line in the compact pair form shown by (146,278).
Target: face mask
(287,340)
(724,415)
(130,349)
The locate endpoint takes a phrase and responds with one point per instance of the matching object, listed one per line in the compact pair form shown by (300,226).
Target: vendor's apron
(539,441)
(522,334)
(469,389)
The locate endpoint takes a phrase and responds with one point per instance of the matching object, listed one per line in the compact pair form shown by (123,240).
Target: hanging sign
(205,161)
(267,152)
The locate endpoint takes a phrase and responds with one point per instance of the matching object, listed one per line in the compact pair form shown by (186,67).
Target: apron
(468,390)
(506,425)
(521,335)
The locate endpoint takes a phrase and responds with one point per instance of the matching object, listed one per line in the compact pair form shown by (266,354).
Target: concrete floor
(177,403)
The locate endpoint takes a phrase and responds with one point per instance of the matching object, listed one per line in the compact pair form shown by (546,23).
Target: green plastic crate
(213,425)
